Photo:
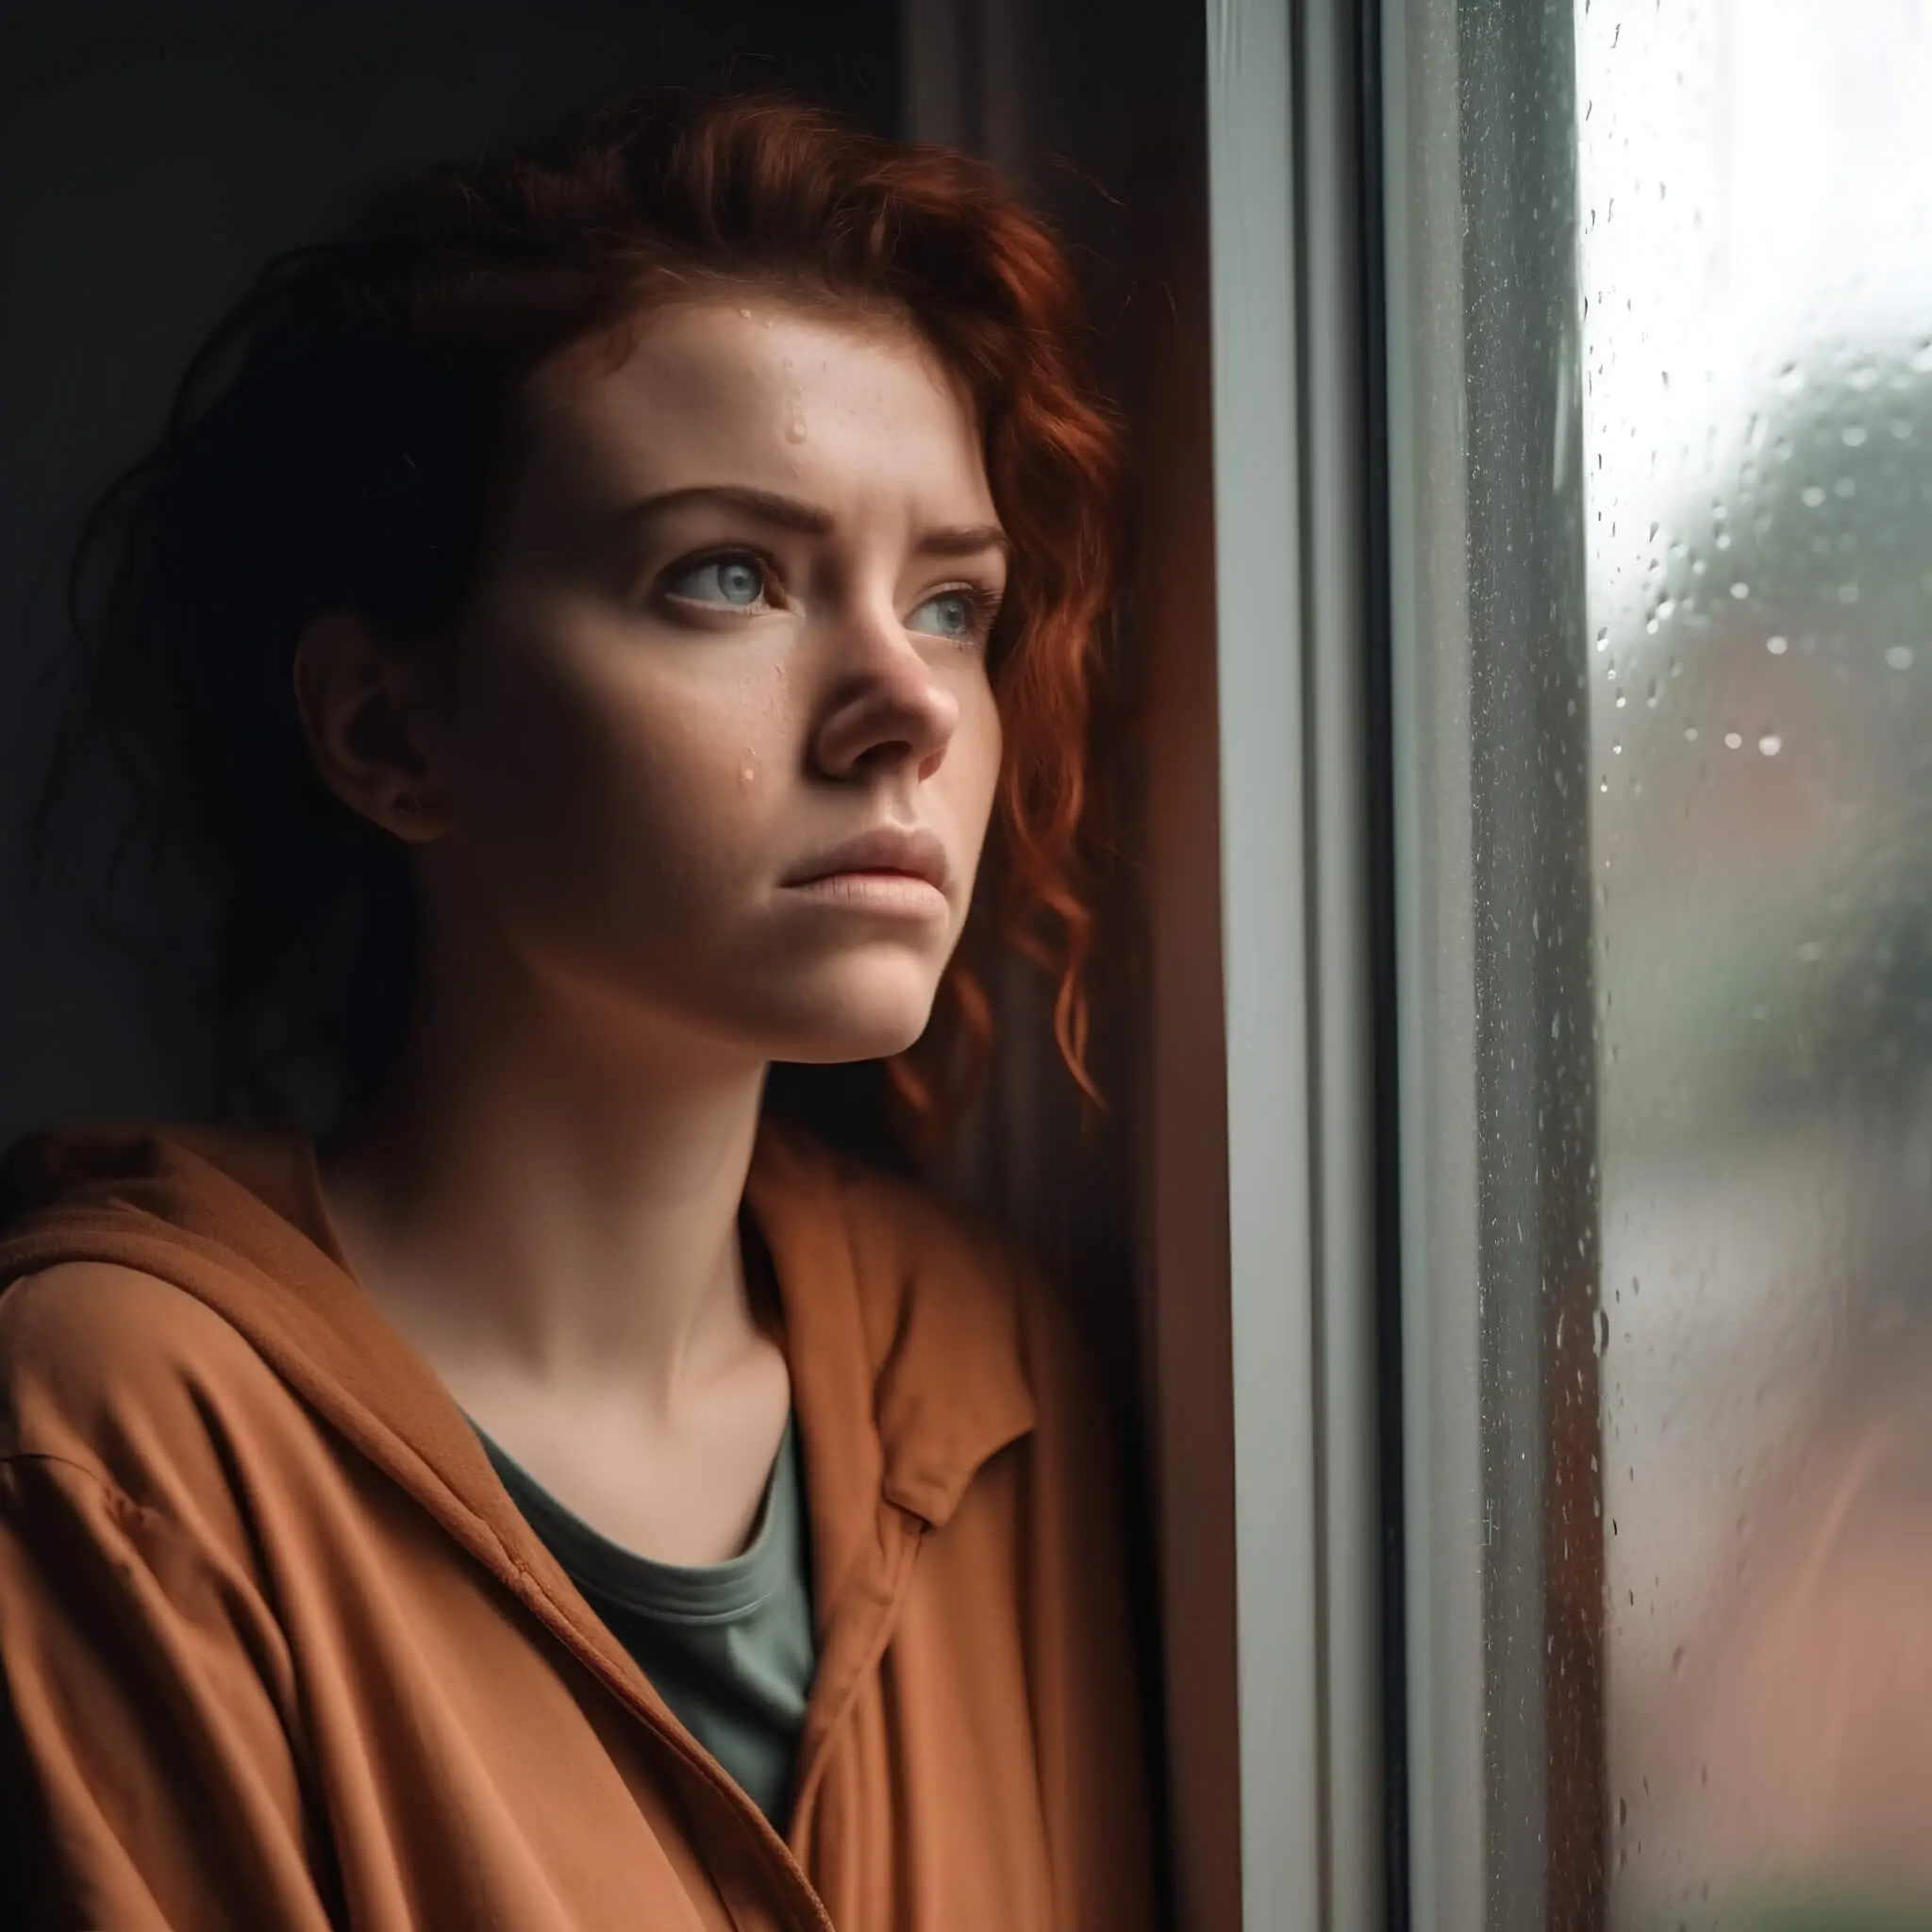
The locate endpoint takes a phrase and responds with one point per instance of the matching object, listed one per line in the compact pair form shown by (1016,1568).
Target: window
(1660,391)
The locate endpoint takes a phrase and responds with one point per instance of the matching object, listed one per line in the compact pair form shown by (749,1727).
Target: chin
(840,1044)
(870,1017)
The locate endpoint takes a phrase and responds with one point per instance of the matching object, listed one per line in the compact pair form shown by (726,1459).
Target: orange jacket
(278,1652)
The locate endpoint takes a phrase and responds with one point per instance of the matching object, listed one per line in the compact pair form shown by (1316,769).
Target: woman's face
(736,617)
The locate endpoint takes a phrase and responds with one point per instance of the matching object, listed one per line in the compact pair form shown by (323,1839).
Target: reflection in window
(1755,209)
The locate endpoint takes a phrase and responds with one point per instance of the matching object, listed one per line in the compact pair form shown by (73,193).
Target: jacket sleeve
(1091,1738)
(146,1773)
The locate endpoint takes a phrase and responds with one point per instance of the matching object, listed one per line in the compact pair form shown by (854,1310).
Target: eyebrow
(789,513)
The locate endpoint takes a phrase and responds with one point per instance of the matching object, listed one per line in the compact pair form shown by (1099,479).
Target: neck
(544,1191)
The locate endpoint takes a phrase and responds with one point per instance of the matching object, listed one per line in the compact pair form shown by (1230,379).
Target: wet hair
(340,442)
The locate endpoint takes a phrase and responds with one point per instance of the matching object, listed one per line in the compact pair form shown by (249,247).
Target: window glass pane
(1660,408)
(1755,190)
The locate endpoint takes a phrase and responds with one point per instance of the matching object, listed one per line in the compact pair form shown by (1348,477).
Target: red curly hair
(337,436)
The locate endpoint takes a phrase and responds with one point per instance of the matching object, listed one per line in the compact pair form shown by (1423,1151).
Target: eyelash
(982,600)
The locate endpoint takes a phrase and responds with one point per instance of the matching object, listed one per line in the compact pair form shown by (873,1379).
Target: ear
(363,717)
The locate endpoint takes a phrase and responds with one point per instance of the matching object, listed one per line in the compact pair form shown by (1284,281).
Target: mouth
(887,894)
(907,853)
(892,872)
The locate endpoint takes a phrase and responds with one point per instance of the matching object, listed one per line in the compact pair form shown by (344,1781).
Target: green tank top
(728,1646)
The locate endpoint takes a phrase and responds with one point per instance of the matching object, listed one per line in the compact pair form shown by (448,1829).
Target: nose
(889,703)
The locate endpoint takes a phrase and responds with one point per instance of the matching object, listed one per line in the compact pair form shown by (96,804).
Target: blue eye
(959,615)
(737,582)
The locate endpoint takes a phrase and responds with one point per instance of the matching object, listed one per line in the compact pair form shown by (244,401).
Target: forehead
(851,409)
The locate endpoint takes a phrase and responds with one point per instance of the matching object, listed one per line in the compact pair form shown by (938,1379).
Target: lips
(910,850)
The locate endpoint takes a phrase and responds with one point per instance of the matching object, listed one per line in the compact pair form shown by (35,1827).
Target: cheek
(597,771)
(981,744)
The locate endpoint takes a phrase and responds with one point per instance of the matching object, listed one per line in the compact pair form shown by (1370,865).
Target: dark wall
(151,156)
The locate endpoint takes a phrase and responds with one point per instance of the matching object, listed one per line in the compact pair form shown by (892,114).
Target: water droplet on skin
(1777,646)
(1734,739)
(748,770)
(794,424)
(745,312)
(1771,744)
(1678,1661)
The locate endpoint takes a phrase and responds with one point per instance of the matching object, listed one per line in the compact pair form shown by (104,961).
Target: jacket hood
(903,1330)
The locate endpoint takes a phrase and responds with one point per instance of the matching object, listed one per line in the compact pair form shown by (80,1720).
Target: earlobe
(353,701)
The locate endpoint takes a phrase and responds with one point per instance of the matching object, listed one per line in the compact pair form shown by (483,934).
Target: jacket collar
(902,1331)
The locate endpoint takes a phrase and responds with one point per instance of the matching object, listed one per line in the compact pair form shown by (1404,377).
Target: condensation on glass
(1755,202)
(1661,412)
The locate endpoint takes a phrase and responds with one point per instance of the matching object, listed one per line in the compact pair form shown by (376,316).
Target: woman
(600,607)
